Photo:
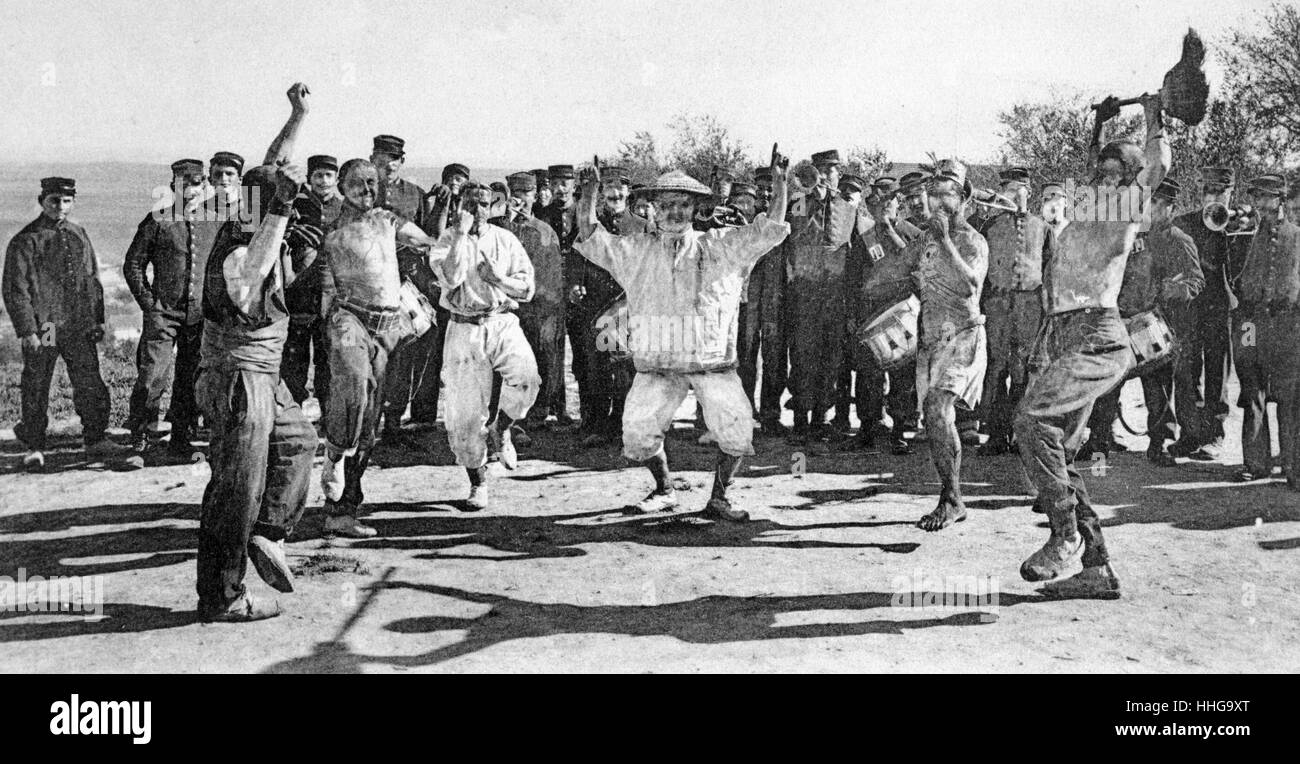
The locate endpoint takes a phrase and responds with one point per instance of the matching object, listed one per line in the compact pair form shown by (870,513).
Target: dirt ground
(558,576)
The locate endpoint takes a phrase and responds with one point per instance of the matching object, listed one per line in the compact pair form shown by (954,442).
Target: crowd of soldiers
(378,298)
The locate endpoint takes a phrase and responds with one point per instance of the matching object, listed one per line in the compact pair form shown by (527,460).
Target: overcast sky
(523,84)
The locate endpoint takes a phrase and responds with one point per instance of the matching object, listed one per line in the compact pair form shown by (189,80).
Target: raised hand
(298,97)
(779,163)
(1108,109)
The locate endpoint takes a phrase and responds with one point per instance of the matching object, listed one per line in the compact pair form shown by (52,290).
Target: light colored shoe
(707,438)
(107,449)
(1055,556)
(270,562)
(658,501)
(331,478)
(242,610)
(34,461)
(478,498)
(348,527)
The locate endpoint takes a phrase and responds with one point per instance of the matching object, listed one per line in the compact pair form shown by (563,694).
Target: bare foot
(943,515)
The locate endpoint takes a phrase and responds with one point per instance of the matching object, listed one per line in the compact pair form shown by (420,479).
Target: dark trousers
(358,367)
(1268,368)
(575,326)
(766,321)
(1206,349)
(748,325)
(817,346)
(1079,357)
(414,376)
(1157,393)
(1011,323)
(304,349)
(545,335)
(161,333)
(872,400)
(603,390)
(260,455)
(89,394)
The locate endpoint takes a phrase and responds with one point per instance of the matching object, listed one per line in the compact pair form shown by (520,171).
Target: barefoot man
(954,261)
(680,277)
(1082,352)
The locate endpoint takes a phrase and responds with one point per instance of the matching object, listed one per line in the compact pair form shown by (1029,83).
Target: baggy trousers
(1079,357)
(305,348)
(472,353)
(358,364)
(1011,321)
(260,455)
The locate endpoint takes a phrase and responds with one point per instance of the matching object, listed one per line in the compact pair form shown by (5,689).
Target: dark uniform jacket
(177,251)
(565,224)
(1270,278)
(51,276)
(880,275)
(543,248)
(1166,257)
(1018,246)
(1213,248)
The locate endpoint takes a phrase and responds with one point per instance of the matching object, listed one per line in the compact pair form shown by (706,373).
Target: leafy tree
(1263,76)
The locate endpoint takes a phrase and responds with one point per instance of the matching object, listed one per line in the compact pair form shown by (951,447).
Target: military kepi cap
(227,159)
(453,169)
(389,144)
(1168,190)
(853,182)
(911,182)
(560,172)
(886,184)
(1014,175)
(1269,183)
(187,167)
(522,181)
(826,157)
(613,173)
(60,186)
(743,189)
(762,174)
(1218,176)
(322,162)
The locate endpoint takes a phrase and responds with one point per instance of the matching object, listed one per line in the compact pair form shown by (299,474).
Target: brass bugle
(1236,221)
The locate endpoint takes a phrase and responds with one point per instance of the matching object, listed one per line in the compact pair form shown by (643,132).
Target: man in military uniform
(560,216)
(542,318)
(1163,274)
(543,191)
(951,357)
(1204,332)
(826,229)
(1265,328)
(174,243)
(54,297)
(762,315)
(1019,243)
(1083,352)
(318,206)
(408,370)
(850,190)
(879,277)
(608,372)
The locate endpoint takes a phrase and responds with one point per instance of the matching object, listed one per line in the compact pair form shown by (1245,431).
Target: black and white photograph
(583,337)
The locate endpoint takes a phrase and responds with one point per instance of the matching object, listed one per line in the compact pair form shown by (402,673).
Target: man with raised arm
(1083,351)
(683,289)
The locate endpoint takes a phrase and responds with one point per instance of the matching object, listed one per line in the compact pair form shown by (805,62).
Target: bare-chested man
(1082,352)
(952,356)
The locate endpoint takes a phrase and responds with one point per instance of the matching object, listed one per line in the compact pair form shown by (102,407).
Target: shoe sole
(266,563)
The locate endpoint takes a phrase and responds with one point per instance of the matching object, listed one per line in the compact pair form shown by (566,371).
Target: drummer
(954,259)
(878,279)
(1163,273)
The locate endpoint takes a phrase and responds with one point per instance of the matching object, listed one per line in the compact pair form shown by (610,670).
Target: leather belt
(479,319)
(381,320)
